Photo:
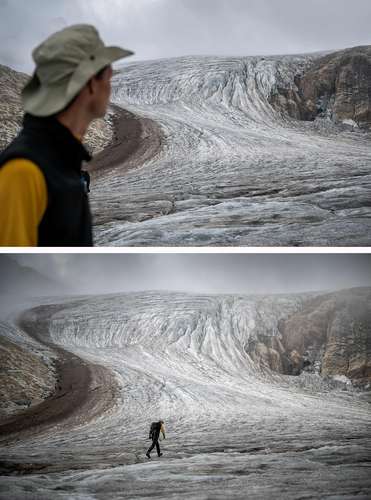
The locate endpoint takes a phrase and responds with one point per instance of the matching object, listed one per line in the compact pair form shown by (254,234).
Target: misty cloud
(168,28)
(202,273)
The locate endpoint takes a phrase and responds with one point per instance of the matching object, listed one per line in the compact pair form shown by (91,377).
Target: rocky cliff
(330,336)
(336,86)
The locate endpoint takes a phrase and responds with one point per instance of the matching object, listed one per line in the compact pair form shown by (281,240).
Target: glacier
(232,170)
(235,428)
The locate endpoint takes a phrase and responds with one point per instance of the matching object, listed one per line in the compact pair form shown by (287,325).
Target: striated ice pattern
(233,429)
(232,170)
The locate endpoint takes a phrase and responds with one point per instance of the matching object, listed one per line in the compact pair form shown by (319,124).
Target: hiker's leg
(158,448)
(154,442)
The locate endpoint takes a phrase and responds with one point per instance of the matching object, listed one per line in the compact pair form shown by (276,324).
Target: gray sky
(204,273)
(168,28)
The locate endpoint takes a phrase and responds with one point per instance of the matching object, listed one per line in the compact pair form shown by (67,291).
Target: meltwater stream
(232,170)
(234,428)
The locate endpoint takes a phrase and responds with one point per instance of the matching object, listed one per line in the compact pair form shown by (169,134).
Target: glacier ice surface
(233,430)
(233,171)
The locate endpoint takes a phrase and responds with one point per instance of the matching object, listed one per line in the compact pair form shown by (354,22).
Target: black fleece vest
(59,155)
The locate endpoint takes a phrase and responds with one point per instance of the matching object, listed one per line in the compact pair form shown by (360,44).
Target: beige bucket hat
(65,62)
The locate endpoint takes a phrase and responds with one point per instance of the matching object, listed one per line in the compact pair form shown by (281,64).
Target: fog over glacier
(91,372)
(197,273)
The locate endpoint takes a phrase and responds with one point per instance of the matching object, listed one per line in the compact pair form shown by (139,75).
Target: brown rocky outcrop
(331,335)
(268,353)
(336,86)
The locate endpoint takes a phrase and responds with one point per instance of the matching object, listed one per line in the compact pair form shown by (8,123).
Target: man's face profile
(101,92)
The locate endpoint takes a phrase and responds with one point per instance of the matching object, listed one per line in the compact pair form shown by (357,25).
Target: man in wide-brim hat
(43,189)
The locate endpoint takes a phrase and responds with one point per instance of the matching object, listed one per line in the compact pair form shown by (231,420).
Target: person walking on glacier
(43,190)
(154,434)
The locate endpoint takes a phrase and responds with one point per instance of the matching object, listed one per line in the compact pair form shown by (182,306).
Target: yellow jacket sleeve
(23,201)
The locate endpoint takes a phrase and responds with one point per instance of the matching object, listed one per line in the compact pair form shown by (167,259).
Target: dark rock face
(290,100)
(331,336)
(268,352)
(336,86)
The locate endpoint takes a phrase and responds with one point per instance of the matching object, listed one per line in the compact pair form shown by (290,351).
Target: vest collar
(61,137)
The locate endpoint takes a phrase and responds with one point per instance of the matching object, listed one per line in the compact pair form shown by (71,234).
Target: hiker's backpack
(152,429)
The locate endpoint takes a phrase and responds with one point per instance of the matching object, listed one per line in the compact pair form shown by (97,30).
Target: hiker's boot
(160,455)
(148,455)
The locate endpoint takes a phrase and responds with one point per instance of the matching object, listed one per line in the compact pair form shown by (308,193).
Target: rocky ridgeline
(330,336)
(99,134)
(336,86)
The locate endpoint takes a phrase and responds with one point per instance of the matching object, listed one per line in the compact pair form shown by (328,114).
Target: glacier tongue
(232,169)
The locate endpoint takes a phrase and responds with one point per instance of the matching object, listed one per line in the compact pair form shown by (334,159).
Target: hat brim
(41,100)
